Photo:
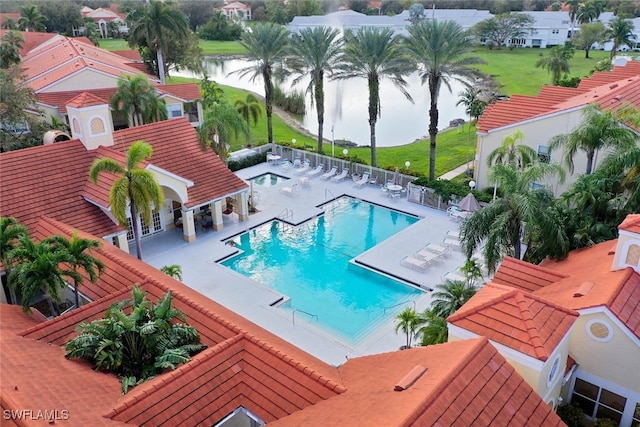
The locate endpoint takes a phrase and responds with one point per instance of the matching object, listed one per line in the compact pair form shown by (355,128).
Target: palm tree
(138,343)
(266,45)
(138,100)
(597,130)
(79,251)
(502,225)
(11,231)
(374,54)
(513,152)
(10,47)
(221,123)
(434,329)
(574,7)
(173,270)
(450,296)
(31,19)
(39,269)
(135,186)
(439,49)
(155,27)
(249,108)
(590,11)
(315,52)
(620,32)
(627,161)
(407,321)
(557,63)
(474,107)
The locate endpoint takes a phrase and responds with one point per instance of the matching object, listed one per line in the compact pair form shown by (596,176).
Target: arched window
(76,126)
(97,126)
(633,256)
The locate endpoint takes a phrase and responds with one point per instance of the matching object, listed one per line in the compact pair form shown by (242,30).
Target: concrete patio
(252,300)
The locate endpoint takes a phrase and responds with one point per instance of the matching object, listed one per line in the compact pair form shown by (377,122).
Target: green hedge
(248,161)
(446,189)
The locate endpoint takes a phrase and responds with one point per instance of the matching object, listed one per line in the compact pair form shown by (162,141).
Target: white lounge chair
(290,191)
(455,276)
(343,175)
(330,174)
(437,249)
(362,181)
(452,243)
(428,256)
(316,171)
(286,165)
(305,167)
(414,263)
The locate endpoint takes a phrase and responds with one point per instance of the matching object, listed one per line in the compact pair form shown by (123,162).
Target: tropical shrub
(571,414)
(136,339)
(446,189)
(256,159)
(290,102)
(605,422)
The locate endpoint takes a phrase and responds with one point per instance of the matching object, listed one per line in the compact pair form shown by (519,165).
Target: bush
(256,159)
(446,189)
(292,103)
(571,414)
(605,422)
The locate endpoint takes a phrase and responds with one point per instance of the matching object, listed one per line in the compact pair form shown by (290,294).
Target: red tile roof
(516,319)
(525,276)
(130,54)
(49,180)
(466,383)
(85,99)
(184,91)
(33,40)
(609,89)
(631,223)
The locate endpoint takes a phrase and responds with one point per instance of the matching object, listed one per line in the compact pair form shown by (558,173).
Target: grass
(516,72)
(209,47)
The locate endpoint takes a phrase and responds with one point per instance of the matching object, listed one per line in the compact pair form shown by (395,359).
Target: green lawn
(209,48)
(114,44)
(516,72)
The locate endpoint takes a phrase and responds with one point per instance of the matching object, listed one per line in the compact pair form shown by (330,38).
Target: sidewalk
(453,173)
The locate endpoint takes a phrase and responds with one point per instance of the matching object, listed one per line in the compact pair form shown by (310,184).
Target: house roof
(459,383)
(631,223)
(516,319)
(244,365)
(525,276)
(609,89)
(33,40)
(85,99)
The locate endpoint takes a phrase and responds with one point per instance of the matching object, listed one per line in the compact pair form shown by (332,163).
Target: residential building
(554,111)
(103,17)
(237,10)
(580,316)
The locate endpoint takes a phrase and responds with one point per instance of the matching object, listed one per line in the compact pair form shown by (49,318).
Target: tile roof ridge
(507,292)
(532,330)
(321,379)
(147,388)
(537,267)
(628,273)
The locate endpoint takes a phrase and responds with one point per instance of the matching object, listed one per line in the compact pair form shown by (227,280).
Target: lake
(346,105)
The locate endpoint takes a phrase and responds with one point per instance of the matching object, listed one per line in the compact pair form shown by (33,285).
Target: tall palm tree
(39,268)
(135,187)
(502,225)
(221,123)
(433,329)
(11,231)
(156,26)
(407,321)
(620,32)
(139,101)
(31,19)
(439,48)
(374,54)
(513,152)
(574,7)
(80,255)
(590,11)
(266,45)
(626,160)
(557,63)
(473,106)
(314,53)
(597,130)
(250,109)
(450,296)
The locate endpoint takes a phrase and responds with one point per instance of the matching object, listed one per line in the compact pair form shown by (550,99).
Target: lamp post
(333,143)
(472,185)
(407,164)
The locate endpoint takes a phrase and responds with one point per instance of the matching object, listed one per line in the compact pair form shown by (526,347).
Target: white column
(216,215)
(121,241)
(188,226)
(242,206)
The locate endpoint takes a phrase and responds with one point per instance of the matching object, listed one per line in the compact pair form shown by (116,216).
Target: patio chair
(343,175)
(297,162)
(290,191)
(362,181)
(453,243)
(428,256)
(286,165)
(330,174)
(437,249)
(455,276)
(305,167)
(414,263)
(315,171)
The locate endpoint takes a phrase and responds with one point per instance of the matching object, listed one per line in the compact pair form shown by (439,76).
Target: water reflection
(346,106)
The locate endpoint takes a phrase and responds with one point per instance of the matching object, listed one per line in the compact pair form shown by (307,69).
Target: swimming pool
(311,265)
(268,179)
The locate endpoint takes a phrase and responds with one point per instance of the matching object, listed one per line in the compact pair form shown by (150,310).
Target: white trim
(624,251)
(104,124)
(554,365)
(605,310)
(592,322)
(169,111)
(507,352)
(155,168)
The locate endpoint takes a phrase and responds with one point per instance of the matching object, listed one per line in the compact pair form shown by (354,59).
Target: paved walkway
(453,173)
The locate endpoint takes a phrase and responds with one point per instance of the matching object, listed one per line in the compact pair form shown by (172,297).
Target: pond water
(346,105)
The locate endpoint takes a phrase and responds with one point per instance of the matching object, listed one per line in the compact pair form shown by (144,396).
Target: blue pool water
(310,264)
(268,179)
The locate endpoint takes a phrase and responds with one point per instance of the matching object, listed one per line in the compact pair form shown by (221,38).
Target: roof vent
(54,136)
(408,380)
(613,86)
(583,289)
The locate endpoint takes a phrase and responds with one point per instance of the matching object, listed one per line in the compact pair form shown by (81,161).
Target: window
(555,31)
(553,372)
(544,154)
(635,421)
(599,331)
(517,42)
(565,22)
(156,226)
(633,256)
(97,126)
(174,110)
(536,186)
(598,402)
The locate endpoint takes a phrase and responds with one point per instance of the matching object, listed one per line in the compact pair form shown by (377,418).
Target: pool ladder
(293,315)
(286,213)
(401,303)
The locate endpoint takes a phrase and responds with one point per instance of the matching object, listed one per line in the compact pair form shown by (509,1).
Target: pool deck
(202,272)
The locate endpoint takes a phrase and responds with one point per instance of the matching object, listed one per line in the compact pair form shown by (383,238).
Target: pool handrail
(293,315)
(384,311)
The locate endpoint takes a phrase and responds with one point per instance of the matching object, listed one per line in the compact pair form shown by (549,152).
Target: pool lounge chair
(290,191)
(428,256)
(452,243)
(362,181)
(330,174)
(437,249)
(455,276)
(316,171)
(301,171)
(343,175)
(414,263)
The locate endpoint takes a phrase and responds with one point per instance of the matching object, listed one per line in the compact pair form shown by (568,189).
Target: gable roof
(85,99)
(631,223)
(609,89)
(525,276)
(516,319)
